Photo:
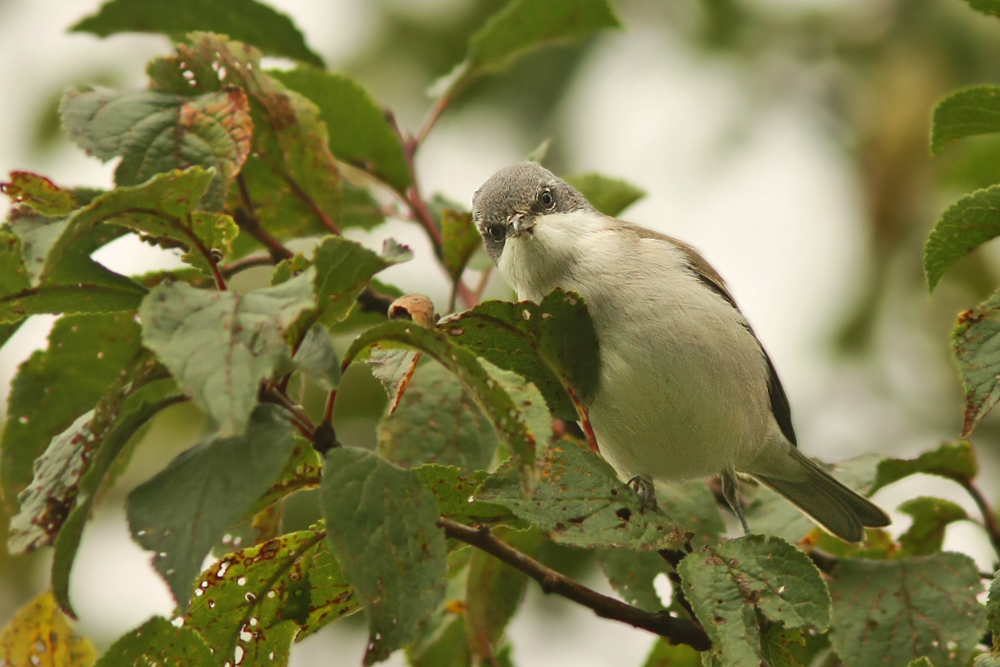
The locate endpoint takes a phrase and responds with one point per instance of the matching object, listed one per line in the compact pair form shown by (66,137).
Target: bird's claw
(647,493)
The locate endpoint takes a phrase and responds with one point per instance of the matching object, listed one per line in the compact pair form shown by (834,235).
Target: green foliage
(610,196)
(967,224)
(965,114)
(956,462)
(975,339)
(157,641)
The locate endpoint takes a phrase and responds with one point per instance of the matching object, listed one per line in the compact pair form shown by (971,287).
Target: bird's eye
(548,201)
(496,232)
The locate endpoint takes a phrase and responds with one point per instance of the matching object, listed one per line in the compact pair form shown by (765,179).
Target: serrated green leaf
(631,574)
(993,611)
(158,642)
(892,612)
(776,645)
(608,195)
(156,132)
(183,511)
(252,22)
(358,129)
(580,502)
(454,492)
(494,592)
(86,353)
(930,517)
(988,7)
(496,403)
(459,240)
(39,193)
(956,462)
(694,507)
(728,584)
(317,359)
(39,635)
(968,223)
(965,114)
(382,527)
(975,339)
(665,654)
(552,344)
(437,422)
(253,603)
(220,345)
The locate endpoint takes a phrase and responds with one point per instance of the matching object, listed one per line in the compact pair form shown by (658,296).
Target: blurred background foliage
(867,72)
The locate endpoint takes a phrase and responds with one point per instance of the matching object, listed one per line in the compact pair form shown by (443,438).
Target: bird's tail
(816,492)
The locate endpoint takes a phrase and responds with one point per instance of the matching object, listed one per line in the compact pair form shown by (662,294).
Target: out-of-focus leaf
(183,511)
(552,344)
(965,114)
(968,223)
(394,369)
(977,349)
(317,359)
(665,654)
(220,345)
(956,462)
(251,604)
(608,195)
(39,635)
(156,132)
(39,193)
(693,506)
(449,648)
(382,527)
(580,502)
(302,470)
(728,584)
(459,240)
(988,7)
(158,642)
(993,611)
(930,517)
(86,353)
(358,129)
(249,21)
(437,422)
(631,574)
(892,612)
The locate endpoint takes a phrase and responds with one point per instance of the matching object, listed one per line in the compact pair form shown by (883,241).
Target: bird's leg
(731,492)
(644,487)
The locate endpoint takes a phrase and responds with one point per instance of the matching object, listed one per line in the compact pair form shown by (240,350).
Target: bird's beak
(521,223)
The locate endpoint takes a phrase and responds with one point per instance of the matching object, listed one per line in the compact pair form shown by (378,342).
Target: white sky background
(777,212)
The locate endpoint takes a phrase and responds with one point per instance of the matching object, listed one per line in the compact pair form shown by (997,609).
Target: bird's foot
(731,492)
(644,487)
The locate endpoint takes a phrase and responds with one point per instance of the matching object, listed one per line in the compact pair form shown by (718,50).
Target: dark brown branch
(989,518)
(675,630)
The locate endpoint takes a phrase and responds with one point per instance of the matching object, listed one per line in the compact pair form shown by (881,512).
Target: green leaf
(359,132)
(39,193)
(665,654)
(988,7)
(459,240)
(494,592)
(975,339)
(930,517)
(156,132)
(394,369)
(631,574)
(317,359)
(965,114)
(449,648)
(610,196)
(86,353)
(580,502)
(454,492)
(525,25)
(993,610)
(552,344)
(382,527)
(513,421)
(968,223)
(693,506)
(776,642)
(892,612)
(728,584)
(252,22)
(158,642)
(956,462)
(184,510)
(437,422)
(921,662)
(220,345)
(302,470)
(251,604)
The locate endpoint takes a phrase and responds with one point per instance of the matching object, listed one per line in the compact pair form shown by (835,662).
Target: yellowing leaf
(40,636)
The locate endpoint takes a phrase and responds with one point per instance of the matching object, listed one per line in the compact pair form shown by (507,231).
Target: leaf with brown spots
(39,193)
(158,642)
(39,635)
(977,349)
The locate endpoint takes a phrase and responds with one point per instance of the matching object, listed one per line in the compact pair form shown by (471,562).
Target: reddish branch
(989,518)
(675,630)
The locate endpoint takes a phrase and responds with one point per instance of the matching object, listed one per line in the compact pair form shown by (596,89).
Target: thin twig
(230,270)
(675,630)
(431,120)
(296,411)
(247,221)
(304,196)
(989,519)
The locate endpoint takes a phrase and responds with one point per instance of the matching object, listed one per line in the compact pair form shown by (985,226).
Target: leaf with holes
(40,635)
(155,132)
(552,344)
(220,345)
(965,114)
(38,193)
(729,584)
(956,462)
(85,355)
(580,502)
(930,518)
(253,22)
(892,612)
(437,422)
(158,642)
(610,196)
(382,527)
(631,574)
(184,510)
(250,605)
(977,349)
(967,224)
(454,492)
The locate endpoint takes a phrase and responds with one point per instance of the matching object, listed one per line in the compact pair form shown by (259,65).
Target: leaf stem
(989,518)
(246,263)
(313,206)
(247,221)
(675,630)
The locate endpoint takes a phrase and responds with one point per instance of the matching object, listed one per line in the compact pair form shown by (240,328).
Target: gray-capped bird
(686,390)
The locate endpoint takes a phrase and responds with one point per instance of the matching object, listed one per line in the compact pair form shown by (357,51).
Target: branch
(313,206)
(675,630)
(989,519)
(230,270)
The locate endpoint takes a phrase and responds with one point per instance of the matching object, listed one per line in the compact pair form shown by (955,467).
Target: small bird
(686,390)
